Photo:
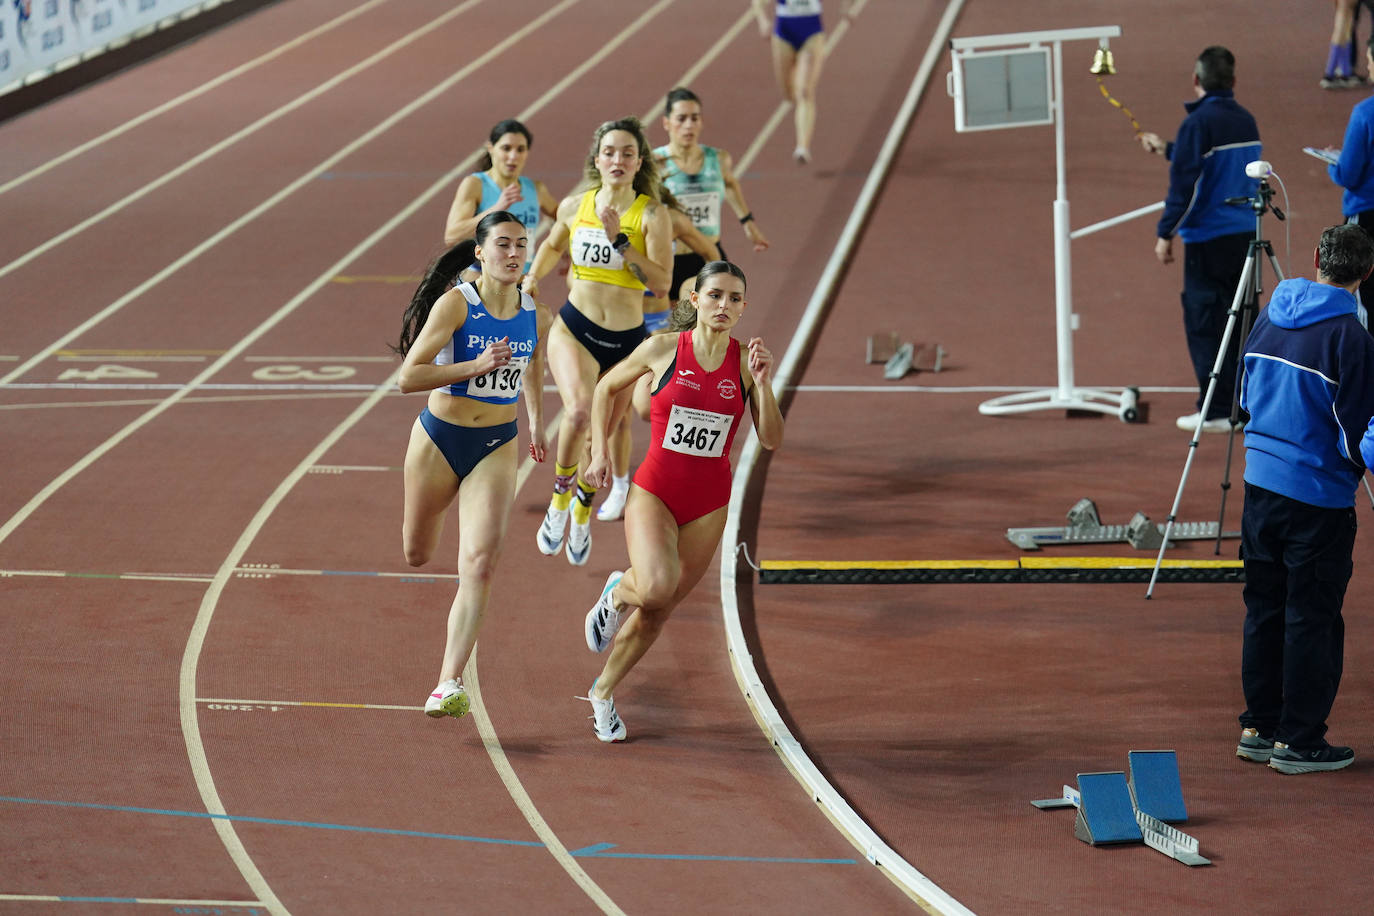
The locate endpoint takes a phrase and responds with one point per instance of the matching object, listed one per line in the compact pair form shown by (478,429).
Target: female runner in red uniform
(702,379)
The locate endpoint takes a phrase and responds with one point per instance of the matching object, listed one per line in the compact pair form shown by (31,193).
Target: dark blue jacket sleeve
(1354,171)
(1185,165)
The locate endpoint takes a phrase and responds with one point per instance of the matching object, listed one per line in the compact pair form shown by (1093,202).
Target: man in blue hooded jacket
(1308,384)
(1207,162)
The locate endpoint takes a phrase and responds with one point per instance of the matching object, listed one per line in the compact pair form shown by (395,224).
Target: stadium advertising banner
(40,37)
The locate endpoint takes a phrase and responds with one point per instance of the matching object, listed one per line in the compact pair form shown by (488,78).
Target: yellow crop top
(593,258)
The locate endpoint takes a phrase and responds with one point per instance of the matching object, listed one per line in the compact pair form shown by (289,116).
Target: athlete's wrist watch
(620,242)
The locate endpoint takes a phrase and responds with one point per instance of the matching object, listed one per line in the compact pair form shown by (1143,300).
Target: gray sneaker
(1254,746)
(1290,760)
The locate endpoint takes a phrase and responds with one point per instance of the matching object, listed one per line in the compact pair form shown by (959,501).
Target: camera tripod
(1244,307)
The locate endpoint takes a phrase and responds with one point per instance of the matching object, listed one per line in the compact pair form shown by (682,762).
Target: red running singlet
(693,416)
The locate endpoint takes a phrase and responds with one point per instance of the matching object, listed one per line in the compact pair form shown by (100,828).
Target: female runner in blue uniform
(703,380)
(470,346)
(500,183)
(798,52)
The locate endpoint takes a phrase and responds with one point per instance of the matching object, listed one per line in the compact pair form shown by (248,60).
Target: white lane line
(188,96)
(321,359)
(191,399)
(233,906)
(81,358)
(522,799)
(190,659)
(187,386)
(929,895)
(235,137)
(443,184)
(970,389)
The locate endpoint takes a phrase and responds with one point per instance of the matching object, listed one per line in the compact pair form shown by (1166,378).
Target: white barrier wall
(40,37)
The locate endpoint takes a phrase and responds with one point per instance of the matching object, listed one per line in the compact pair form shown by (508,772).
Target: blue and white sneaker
(603,620)
(448,699)
(579,542)
(550,536)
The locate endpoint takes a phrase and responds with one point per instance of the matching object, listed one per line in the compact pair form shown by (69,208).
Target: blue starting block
(1105,812)
(1114,811)
(1155,786)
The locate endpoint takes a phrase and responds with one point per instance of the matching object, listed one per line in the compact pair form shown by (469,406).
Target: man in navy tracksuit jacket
(1206,166)
(1308,385)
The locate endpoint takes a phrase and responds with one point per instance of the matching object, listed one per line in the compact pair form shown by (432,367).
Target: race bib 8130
(501,382)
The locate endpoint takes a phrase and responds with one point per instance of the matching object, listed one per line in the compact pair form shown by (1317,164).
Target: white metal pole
(1063,275)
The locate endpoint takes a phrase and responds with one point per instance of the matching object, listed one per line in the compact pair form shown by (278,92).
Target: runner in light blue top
(500,185)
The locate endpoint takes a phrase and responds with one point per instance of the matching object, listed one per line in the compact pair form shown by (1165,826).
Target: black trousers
(1297,565)
(1211,273)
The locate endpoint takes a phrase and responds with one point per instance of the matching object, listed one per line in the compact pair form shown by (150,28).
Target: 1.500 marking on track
(235,707)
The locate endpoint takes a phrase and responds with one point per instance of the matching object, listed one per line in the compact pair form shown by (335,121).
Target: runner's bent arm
(622,375)
(757,361)
(692,237)
(734,195)
(418,372)
(533,387)
(463,216)
(552,249)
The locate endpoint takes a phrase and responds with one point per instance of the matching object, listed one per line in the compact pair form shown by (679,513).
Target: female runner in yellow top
(620,240)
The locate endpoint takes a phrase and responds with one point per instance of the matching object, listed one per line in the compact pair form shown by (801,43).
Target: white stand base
(1123,405)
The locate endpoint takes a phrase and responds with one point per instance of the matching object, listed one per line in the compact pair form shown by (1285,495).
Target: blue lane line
(245,819)
(595,851)
(694,858)
(591,850)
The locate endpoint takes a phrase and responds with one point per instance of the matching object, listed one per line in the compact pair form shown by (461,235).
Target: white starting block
(1085,527)
(1109,811)
(899,358)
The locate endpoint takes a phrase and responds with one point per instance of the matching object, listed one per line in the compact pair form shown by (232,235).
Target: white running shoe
(448,699)
(579,542)
(613,506)
(550,536)
(1215,425)
(605,720)
(603,620)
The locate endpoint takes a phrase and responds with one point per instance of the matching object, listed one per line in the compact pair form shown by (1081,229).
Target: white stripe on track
(930,896)
(190,659)
(281,195)
(189,96)
(233,138)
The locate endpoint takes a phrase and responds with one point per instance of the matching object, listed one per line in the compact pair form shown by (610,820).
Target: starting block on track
(1155,786)
(899,357)
(1085,527)
(1113,811)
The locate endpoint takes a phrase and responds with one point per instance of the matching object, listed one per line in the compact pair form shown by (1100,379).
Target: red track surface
(165,553)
